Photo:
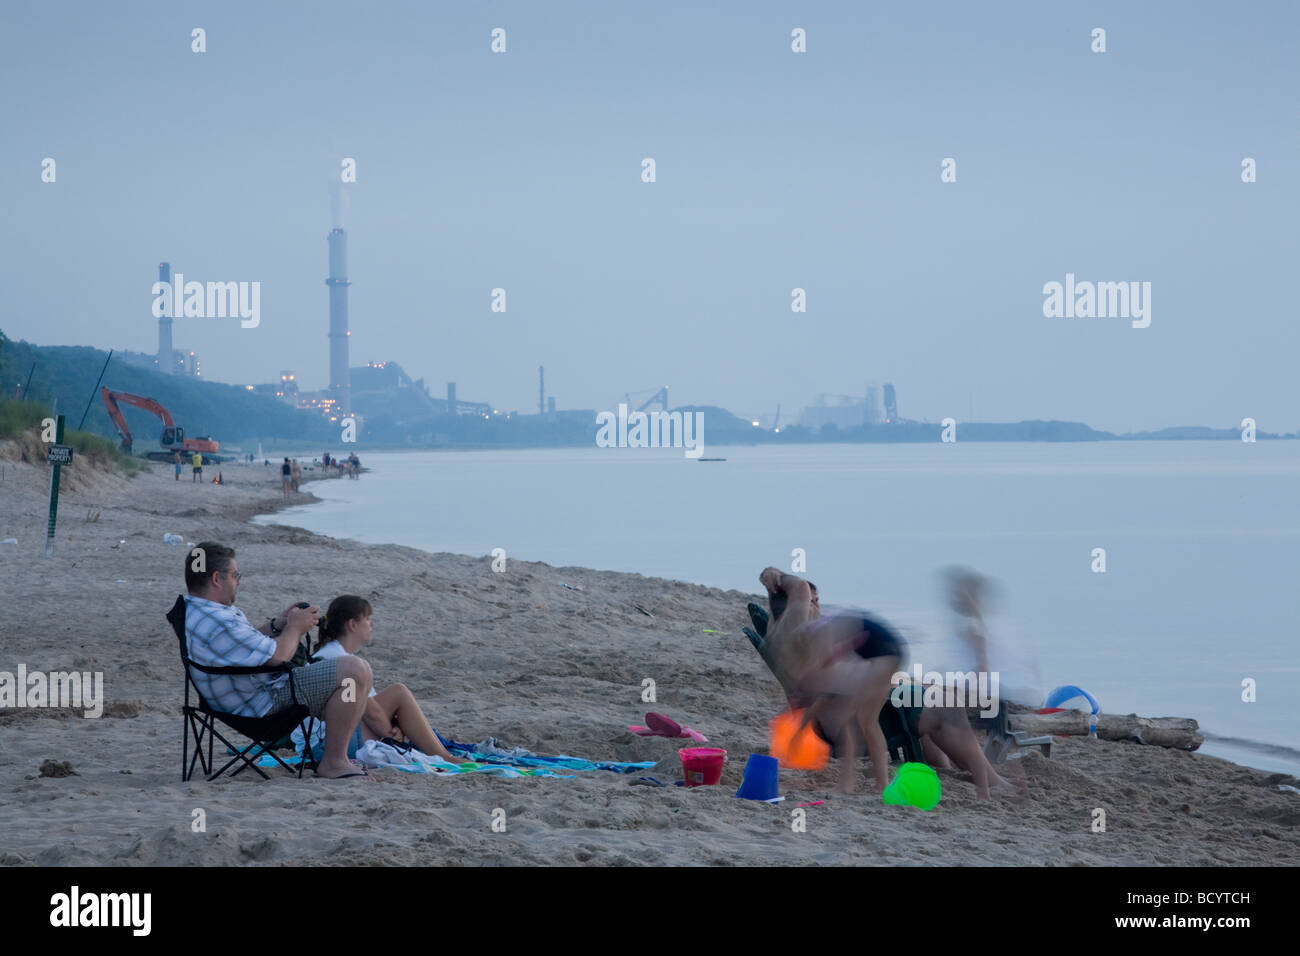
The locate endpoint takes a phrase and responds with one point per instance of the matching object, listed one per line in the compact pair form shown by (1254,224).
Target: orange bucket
(797,749)
(702,766)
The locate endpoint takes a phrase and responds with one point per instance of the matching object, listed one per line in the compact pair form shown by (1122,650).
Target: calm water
(1201,542)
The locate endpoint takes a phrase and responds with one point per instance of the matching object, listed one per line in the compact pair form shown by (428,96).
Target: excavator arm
(111,399)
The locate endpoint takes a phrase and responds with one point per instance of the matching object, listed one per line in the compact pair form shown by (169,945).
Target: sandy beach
(515,656)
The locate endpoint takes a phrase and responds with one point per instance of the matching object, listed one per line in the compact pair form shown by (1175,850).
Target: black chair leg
(197,726)
(238,755)
(307,755)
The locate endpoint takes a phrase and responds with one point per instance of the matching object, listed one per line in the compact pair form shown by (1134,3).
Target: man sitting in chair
(217,634)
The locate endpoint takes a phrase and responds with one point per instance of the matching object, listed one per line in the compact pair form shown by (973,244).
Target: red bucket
(702,766)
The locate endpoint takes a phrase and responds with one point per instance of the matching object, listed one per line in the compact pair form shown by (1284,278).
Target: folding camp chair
(202,720)
(1003,741)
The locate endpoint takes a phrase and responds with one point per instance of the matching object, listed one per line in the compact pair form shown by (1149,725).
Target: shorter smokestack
(451,397)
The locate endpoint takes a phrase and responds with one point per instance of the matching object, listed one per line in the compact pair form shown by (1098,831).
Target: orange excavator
(173,436)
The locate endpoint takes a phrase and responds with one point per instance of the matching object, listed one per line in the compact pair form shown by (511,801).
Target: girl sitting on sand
(345,628)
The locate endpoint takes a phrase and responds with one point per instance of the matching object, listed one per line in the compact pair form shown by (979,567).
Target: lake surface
(1201,543)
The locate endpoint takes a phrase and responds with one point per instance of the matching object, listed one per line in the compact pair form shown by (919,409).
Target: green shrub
(18,418)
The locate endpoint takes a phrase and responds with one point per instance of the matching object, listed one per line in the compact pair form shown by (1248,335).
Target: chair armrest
(263,669)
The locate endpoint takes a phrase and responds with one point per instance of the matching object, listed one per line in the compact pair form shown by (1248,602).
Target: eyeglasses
(234,574)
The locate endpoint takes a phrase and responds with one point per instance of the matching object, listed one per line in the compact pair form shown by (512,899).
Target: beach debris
(9,541)
(119,544)
(642,610)
(571,587)
(56,768)
(173,539)
(815,803)
(710,630)
(648,782)
(121,581)
(1174,733)
(91,518)
(1288,787)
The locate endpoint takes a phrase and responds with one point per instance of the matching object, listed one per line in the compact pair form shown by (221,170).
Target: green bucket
(915,785)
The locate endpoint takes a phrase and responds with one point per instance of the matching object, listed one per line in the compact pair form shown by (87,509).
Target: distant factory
(380,391)
(168,360)
(873,407)
(335,400)
(340,387)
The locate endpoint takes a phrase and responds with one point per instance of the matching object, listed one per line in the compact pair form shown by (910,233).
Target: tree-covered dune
(230,414)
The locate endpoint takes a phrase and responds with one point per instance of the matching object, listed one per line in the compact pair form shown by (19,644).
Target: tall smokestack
(541,390)
(340,385)
(166,363)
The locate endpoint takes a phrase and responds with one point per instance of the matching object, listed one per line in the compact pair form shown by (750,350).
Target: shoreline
(515,656)
(1269,755)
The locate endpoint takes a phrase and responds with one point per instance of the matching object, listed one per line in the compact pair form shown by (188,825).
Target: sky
(774,171)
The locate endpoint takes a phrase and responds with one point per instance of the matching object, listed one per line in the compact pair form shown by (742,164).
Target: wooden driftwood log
(1178,733)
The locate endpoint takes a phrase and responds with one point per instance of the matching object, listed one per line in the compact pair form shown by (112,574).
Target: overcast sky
(775,170)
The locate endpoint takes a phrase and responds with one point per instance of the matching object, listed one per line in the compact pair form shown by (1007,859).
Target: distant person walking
(196,461)
(295,473)
(177,461)
(286,477)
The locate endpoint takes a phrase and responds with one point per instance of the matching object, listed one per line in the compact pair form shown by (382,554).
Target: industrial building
(852,411)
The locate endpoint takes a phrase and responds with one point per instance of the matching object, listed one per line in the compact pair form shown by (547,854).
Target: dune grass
(19,418)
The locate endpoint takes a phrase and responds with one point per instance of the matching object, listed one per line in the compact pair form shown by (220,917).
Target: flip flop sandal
(664,726)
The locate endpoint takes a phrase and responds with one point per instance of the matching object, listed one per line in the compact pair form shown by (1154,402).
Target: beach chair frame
(1003,742)
(201,720)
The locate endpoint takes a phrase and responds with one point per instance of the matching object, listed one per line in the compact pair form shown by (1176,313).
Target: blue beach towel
(508,762)
(490,751)
(449,770)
